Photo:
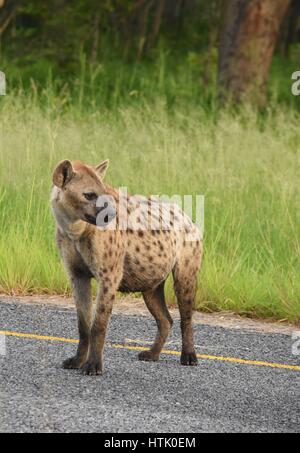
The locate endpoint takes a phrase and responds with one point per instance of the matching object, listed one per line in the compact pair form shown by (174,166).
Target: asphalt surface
(36,395)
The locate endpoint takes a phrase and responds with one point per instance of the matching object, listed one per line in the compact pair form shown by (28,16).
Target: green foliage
(101,54)
(124,29)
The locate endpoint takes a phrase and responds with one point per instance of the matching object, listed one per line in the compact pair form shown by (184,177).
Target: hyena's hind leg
(185,275)
(155,301)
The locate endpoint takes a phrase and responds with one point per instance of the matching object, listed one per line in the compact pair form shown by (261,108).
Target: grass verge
(246,165)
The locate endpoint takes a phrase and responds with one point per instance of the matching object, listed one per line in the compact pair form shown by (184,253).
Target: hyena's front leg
(105,300)
(83,298)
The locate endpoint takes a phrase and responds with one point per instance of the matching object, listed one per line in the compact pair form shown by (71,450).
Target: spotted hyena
(137,257)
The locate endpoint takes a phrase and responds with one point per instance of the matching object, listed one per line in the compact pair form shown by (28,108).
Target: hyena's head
(77,189)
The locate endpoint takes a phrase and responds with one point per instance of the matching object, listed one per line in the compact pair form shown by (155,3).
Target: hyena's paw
(188,359)
(71,364)
(92,368)
(148,356)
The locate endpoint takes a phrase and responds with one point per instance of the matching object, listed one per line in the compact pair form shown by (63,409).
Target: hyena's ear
(101,168)
(63,173)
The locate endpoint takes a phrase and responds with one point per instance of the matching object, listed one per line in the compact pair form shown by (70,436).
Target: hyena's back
(160,239)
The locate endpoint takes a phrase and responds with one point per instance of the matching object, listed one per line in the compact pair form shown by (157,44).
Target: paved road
(36,395)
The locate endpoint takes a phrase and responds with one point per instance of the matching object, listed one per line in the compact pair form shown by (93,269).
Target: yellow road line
(33,336)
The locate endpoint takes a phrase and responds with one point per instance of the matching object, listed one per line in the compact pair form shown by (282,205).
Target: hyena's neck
(73,229)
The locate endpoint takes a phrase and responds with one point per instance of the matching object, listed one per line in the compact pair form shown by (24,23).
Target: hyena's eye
(90,196)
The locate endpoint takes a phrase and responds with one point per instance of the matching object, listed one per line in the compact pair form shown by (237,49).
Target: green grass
(246,165)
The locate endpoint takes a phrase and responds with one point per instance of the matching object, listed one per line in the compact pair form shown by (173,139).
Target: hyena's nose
(105,214)
(101,208)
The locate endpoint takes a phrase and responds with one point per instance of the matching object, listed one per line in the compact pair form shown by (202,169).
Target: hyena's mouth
(90,219)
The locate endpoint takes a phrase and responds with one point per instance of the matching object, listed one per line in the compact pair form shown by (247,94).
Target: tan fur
(130,260)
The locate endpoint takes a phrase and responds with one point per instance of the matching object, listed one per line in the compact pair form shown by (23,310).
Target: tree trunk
(248,39)
(289,29)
